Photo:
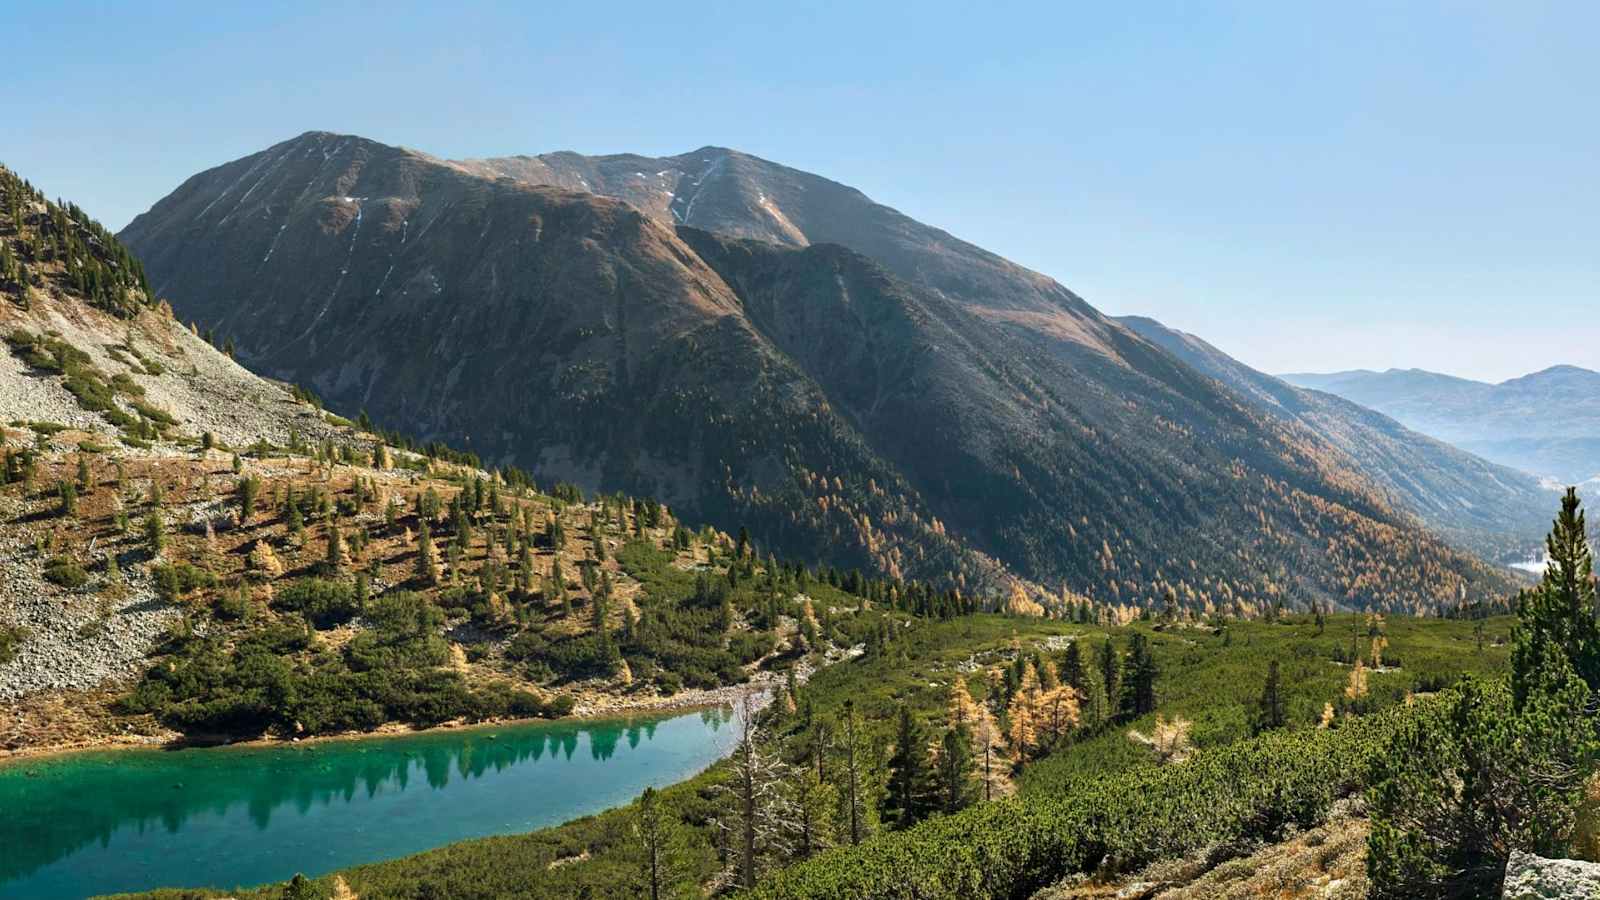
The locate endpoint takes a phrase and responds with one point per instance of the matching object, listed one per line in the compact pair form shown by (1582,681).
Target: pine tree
(1139,691)
(909,776)
(296,521)
(1072,671)
(1558,616)
(955,770)
(662,846)
(248,489)
(1270,710)
(815,799)
(427,558)
(1110,667)
(1094,707)
(155,533)
(853,795)
(335,559)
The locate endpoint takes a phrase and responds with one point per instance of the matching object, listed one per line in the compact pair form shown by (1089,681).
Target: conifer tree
(1094,707)
(155,533)
(335,559)
(852,774)
(909,775)
(1139,691)
(756,812)
(1558,616)
(1270,709)
(955,770)
(1110,666)
(662,846)
(427,557)
(1072,671)
(248,489)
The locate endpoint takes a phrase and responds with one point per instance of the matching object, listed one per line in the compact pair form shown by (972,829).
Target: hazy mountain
(849,383)
(1515,422)
(1496,510)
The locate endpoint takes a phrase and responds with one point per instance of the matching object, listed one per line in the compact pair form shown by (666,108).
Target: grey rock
(1530,877)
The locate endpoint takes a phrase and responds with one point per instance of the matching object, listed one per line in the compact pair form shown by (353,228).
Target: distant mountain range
(1498,511)
(1546,423)
(763,346)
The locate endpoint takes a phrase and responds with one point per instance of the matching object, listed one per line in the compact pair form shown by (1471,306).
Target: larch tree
(1022,714)
(1057,715)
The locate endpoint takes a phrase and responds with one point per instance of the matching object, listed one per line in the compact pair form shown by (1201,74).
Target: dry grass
(1326,862)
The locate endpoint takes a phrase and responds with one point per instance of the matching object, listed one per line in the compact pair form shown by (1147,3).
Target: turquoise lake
(90,823)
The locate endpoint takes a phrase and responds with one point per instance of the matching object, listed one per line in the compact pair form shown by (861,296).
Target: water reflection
(139,803)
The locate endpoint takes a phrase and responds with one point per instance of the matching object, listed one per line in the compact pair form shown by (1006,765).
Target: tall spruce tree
(1139,689)
(1271,711)
(910,779)
(1110,667)
(1558,616)
(955,770)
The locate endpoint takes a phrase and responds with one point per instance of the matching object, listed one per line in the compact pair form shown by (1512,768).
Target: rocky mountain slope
(1492,509)
(761,346)
(189,549)
(1546,423)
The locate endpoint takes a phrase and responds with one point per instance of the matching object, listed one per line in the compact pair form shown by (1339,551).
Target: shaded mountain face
(1546,423)
(858,388)
(1496,511)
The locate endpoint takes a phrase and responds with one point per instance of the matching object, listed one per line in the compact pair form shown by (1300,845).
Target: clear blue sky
(1308,186)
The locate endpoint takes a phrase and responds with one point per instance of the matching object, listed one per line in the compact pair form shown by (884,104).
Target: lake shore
(593,705)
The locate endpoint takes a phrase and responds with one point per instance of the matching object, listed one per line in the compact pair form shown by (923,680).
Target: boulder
(1530,877)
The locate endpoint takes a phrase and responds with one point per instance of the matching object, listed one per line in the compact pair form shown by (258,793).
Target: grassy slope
(1208,678)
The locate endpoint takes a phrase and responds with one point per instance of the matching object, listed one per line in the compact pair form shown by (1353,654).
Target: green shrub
(324,603)
(174,580)
(1234,796)
(11,637)
(66,573)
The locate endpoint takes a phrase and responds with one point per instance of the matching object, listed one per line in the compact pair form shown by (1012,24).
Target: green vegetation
(56,241)
(66,573)
(1502,764)
(11,637)
(1095,782)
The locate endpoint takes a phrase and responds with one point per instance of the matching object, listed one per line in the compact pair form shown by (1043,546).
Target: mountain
(1513,423)
(849,383)
(96,378)
(1495,510)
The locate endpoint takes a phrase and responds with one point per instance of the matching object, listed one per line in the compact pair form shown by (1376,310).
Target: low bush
(66,573)
(324,603)
(174,580)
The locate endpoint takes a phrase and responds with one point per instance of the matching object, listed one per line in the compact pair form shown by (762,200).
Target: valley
(824,560)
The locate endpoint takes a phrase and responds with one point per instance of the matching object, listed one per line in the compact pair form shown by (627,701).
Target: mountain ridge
(1502,422)
(1011,430)
(1495,510)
